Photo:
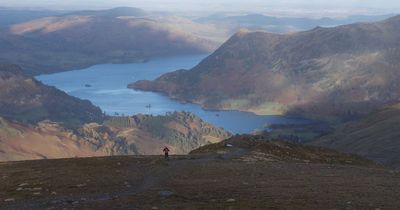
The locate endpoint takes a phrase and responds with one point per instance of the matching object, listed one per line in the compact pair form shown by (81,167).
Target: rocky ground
(232,178)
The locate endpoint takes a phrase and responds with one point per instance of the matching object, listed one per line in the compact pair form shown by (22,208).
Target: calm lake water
(108,90)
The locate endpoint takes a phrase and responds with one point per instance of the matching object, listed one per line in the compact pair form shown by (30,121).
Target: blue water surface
(106,86)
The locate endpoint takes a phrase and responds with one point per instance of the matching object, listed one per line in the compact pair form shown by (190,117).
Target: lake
(106,86)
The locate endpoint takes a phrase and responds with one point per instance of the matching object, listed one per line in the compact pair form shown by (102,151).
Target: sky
(294,7)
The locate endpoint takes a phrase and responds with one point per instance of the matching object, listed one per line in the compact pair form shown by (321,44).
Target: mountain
(340,72)
(136,135)
(81,39)
(284,24)
(376,136)
(250,172)
(26,100)
(183,131)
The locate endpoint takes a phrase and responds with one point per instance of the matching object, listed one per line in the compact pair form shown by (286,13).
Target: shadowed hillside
(376,137)
(343,72)
(26,100)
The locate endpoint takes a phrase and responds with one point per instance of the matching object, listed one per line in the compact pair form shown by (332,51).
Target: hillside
(376,137)
(81,39)
(342,72)
(183,131)
(46,140)
(264,148)
(24,99)
(203,181)
(136,135)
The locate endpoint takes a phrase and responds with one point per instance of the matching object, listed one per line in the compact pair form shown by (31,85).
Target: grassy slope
(376,136)
(232,180)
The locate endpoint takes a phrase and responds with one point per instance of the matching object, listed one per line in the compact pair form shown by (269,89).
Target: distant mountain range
(114,12)
(81,39)
(341,72)
(51,41)
(285,24)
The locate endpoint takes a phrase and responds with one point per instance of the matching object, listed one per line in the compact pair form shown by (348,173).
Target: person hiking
(166,150)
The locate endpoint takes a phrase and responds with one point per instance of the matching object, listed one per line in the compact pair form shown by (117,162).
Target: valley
(31,106)
(41,122)
(255,106)
(257,110)
(108,90)
(106,87)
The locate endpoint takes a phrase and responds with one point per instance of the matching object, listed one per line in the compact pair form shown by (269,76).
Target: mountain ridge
(286,24)
(299,73)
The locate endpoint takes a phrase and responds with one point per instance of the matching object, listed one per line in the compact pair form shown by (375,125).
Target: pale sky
(301,7)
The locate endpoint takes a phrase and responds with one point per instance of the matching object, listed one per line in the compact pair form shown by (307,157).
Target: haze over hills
(82,39)
(114,12)
(53,41)
(344,72)
(10,16)
(376,136)
(284,24)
